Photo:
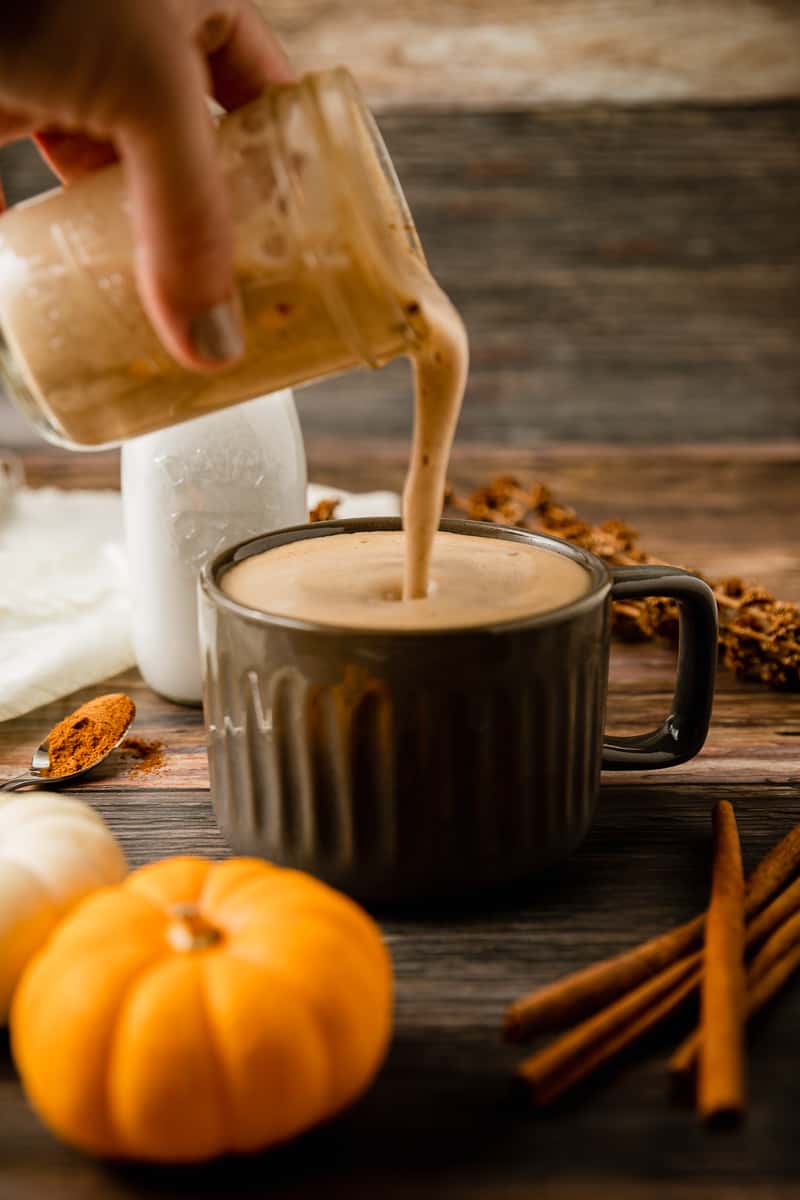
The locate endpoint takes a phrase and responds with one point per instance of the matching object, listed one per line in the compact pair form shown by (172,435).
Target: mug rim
(211,573)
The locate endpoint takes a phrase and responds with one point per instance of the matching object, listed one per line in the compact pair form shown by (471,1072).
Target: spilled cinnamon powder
(150,757)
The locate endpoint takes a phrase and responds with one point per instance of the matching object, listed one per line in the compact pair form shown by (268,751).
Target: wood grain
(624,276)
(465,53)
(441,1119)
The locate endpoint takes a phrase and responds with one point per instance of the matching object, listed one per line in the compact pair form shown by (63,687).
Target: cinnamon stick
(683,1063)
(782,917)
(721,1091)
(575,1055)
(572,1057)
(785,904)
(773,980)
(777,865)
(567,1000)
(784,939)
(576,996)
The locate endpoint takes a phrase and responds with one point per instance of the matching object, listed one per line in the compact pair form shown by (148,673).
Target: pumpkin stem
(189,930)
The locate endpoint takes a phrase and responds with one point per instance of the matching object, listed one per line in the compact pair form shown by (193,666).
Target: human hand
(130,79)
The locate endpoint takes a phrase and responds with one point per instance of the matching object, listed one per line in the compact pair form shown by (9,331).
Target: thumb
(181,220)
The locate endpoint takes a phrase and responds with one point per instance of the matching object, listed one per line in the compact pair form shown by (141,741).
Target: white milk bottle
(188,491)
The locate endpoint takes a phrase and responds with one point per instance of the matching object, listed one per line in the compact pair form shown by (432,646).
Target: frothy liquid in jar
(97,391)
(354,580)
(87,353)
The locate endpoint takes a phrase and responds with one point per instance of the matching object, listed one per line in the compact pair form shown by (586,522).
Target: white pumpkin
(53,851)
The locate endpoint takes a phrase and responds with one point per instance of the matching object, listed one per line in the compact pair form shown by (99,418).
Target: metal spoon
(40,763)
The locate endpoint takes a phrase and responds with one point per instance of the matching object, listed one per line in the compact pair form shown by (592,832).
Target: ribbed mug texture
(398,767)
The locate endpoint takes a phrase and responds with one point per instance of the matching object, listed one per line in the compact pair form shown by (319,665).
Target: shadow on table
(432,1128)
(415,1121)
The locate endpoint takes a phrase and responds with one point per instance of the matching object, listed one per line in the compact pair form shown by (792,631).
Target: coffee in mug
(434,747)
(355,580)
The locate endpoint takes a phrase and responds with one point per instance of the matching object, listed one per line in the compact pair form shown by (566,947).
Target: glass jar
(187,492)
(327,260)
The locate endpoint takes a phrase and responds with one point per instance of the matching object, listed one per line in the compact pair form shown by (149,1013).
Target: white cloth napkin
(356,504)
(63,604)
(64,613)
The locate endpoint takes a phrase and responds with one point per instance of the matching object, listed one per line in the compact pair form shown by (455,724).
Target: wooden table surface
(441,1119)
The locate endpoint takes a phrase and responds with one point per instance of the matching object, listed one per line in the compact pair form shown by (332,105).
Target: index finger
(243,53)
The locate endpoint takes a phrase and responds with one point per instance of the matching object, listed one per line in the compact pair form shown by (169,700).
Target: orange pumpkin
(201,1008)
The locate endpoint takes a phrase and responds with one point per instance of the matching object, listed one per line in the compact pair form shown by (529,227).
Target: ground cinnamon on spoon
(88,734)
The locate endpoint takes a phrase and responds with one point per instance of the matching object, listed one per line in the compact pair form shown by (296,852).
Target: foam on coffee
(355,580)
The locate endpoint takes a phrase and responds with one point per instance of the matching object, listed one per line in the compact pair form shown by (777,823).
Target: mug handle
(684,731)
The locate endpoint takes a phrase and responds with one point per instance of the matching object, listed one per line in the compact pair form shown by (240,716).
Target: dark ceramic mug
(405,765)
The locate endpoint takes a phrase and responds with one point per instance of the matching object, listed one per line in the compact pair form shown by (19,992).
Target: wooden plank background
(628,266)
(520,53)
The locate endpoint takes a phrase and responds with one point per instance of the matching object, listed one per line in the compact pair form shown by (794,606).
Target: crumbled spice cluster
(759,635)
(324,511)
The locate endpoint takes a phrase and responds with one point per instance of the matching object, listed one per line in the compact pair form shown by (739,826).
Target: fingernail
(216,334)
